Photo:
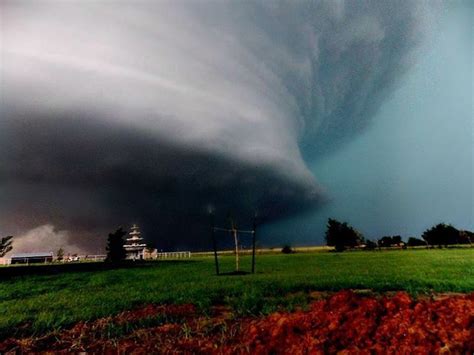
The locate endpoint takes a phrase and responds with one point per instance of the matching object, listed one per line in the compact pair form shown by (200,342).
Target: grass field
(32,305)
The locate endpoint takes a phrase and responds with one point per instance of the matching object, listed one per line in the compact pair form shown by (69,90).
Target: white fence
(174,255)
(92,257)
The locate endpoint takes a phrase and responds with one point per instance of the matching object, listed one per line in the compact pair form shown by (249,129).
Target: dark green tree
(342,236)
(5,245)
(441,234)
(115,250)
(415,242)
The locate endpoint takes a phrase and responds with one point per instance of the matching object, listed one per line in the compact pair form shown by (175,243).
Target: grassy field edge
(37,304)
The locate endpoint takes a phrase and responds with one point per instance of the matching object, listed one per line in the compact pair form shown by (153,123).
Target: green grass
(38,304)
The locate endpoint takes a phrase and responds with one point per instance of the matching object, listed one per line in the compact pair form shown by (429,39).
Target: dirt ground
(343,322)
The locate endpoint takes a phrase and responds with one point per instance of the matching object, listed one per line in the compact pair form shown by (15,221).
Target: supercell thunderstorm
(151,112)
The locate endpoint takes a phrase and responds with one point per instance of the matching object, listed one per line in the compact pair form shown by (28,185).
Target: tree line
(342,236)
(339,235)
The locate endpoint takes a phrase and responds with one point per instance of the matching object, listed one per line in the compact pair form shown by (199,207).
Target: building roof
(32,255)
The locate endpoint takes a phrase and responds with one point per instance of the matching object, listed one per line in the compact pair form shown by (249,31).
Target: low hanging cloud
(153,112)
(45,239)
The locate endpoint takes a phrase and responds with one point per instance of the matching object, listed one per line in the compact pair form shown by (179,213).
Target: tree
(389,241)
(5,245)
(60,254)
(115,250)
(441,234)
(415,242)
(341,235)
(396,240)
(466,237)
(287,250)
(370,245)
(150,247)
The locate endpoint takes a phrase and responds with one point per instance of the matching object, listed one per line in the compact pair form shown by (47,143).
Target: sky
(414,166)
(158,112)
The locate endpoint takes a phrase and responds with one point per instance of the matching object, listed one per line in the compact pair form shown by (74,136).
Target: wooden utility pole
(236,241)
(213,237)
(234,233)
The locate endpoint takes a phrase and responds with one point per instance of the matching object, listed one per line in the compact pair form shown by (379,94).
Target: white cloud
(45,238)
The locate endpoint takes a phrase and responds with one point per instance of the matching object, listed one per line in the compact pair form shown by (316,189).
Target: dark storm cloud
(86,175)
(152,112)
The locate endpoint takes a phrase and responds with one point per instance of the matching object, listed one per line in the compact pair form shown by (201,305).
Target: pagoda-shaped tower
(134,245)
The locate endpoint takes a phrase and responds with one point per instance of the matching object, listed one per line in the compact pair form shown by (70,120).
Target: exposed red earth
(344,322)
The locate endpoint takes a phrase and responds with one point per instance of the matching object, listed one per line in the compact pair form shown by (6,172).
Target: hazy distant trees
(5,245)
(60,254)
(341,236)
(115,246)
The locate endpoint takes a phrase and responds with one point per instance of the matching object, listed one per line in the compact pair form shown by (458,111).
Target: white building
(134,246)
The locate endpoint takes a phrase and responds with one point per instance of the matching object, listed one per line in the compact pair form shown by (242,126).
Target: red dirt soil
(345,323)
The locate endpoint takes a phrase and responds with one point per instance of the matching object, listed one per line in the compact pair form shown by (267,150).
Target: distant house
(31,258)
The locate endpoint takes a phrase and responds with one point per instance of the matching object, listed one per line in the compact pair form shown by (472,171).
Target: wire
(231,230)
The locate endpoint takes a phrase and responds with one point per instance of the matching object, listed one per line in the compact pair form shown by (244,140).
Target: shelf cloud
(154,112)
